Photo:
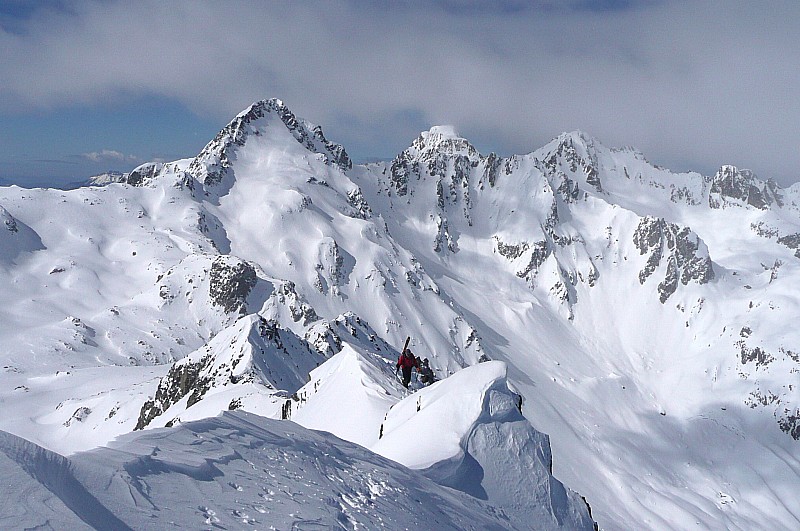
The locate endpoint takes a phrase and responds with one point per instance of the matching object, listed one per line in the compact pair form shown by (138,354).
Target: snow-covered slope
(646,318)
(234,471)
(467,432)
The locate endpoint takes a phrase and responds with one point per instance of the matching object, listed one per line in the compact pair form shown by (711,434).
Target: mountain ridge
(636,310)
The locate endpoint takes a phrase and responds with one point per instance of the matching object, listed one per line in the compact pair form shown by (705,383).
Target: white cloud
(109,155)
(692,84)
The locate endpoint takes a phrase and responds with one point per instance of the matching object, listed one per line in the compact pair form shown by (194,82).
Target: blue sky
(89,86)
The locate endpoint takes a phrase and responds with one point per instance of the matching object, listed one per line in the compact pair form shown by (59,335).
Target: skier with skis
(406,361)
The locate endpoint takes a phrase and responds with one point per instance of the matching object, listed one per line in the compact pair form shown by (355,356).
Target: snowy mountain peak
(215,161)
(578,141)
(263,106)
(441,140)
(574,154)
(439,152)
(445,131)
(731,185)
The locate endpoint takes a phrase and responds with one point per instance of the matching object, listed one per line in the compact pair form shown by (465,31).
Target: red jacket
(407,360)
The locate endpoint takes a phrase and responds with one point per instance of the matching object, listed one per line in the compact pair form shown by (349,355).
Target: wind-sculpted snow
(468,433)
(16,239)
(46,493)
(231,472)
(465,432)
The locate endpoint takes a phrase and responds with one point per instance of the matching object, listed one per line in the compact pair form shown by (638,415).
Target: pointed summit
(213,163)
(573,154)
(440,139)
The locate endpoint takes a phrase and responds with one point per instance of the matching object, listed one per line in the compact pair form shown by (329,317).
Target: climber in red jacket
(407,361)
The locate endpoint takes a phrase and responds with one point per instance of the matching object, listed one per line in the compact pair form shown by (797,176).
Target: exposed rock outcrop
(731,186)
(685,255)
(252,350)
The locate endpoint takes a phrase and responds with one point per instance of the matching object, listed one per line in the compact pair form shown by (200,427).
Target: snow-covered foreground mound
(468,432)
(232,472)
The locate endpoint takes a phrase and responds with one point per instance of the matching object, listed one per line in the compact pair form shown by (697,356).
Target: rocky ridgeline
(327,337)
(573,154)
(765,230)
(300,311)
(142,175)
(222,282)
(215,160)
(732,186)
(254,350)
(685,254)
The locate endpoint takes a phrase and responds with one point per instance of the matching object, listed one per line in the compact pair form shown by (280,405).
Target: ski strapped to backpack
(402,352)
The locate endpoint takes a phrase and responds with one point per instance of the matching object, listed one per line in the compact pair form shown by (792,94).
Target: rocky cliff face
(731,186)
(681,250)
(571,154)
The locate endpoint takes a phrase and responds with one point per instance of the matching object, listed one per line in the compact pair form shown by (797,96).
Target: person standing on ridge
(406,361)
(427,375)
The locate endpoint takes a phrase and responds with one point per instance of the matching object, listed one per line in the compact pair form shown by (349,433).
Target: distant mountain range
(644,319)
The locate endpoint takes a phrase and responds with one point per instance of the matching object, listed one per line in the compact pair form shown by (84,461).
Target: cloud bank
(109,155)
(691,84)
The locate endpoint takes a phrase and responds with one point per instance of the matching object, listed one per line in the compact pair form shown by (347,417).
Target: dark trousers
(406,375)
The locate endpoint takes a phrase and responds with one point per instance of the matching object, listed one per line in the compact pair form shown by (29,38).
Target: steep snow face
(349,396)
(228,472)
(621,295)
(238,368)
(467,432)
